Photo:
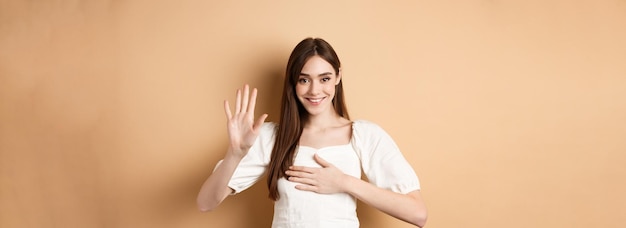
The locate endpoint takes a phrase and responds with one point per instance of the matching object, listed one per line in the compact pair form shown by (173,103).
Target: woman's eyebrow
(319,75)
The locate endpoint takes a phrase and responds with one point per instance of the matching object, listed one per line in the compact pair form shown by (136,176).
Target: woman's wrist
(347,182)
(237,154)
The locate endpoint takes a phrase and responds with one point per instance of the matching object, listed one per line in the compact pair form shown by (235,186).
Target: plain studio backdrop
(513,113)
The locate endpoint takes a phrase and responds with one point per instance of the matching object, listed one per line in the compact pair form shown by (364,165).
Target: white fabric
(370,148)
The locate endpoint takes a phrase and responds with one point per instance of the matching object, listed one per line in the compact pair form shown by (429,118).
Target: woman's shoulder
(364,123)
(363,127)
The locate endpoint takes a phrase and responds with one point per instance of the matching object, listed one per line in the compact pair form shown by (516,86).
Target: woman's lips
(315,101)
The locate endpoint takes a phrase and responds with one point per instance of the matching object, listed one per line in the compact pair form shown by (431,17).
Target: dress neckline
(327,147)
(338,145)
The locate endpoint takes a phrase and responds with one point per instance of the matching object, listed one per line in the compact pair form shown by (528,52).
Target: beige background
(513,113)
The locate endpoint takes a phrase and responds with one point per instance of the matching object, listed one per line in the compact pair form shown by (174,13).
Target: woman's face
(315,87)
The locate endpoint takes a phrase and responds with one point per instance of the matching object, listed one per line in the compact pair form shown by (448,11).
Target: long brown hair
(293,113)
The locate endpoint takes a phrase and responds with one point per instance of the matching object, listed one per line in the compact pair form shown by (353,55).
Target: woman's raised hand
(242,130)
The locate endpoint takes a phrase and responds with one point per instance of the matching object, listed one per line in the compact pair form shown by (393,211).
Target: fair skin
(324,127)
(315,90)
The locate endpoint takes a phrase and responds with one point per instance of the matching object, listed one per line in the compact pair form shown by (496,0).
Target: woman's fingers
(245,104)
(246,98)
(309,188)
(238,102)
(260,121)
(299,174)
(303,180)
(252,104)
(229,115)
(321,161)
(301,168)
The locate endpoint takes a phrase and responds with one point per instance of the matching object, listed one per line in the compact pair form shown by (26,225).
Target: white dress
(370,149)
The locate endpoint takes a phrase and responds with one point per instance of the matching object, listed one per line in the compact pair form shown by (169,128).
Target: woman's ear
(338,77)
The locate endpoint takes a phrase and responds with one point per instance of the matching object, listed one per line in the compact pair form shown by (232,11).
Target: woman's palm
(242,130)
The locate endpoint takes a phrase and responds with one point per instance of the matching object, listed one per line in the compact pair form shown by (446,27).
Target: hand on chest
(341,156)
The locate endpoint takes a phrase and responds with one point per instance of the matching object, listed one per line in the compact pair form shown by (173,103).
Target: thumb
(321,161)
(260,121)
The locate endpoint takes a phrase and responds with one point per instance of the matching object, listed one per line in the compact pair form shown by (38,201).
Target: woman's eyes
(306,80)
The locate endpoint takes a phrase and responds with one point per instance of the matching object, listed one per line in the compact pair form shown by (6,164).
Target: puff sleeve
(381,159)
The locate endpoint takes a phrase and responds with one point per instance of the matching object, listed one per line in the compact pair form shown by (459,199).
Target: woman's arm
(406,207)
(329,179)
(215,189)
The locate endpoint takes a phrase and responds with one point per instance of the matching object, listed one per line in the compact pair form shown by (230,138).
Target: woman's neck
(323,121)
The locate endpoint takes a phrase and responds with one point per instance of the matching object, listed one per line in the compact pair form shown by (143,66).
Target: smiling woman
(315,155)
(503,108)
(316,85)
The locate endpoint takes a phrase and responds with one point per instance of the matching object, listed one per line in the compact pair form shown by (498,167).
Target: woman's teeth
(315,100)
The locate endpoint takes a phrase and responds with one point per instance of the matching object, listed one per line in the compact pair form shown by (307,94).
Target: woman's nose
(314,88)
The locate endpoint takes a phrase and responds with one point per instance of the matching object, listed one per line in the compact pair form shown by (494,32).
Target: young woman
(315,155)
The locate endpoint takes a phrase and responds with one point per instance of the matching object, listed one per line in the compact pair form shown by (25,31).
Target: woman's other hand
(326,180)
